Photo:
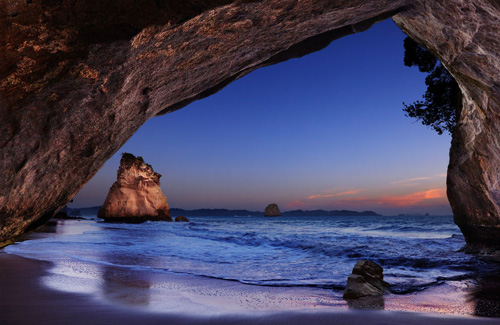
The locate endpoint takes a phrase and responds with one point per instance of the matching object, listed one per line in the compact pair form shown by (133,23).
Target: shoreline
(25,299)
(43,292)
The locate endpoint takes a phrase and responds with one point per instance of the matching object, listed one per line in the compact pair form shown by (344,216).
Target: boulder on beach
(272,210)
(366,280)
(181,219)
(136,195)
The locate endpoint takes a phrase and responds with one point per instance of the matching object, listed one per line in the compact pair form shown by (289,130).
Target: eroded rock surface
(78,78)
(136,195)
(272,210)
(465,36)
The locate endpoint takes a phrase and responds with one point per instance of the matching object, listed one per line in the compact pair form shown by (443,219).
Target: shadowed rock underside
(77,79)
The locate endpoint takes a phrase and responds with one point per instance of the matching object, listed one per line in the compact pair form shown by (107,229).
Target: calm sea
(415,252)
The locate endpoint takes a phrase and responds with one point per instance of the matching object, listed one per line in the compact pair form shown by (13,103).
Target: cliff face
(465,36)
(78,78)
(136,195)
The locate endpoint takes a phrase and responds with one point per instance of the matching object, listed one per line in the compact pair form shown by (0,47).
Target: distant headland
(226,212)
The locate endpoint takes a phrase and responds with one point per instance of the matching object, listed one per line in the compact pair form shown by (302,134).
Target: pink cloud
(428,197)
(321,196)
(411,180)
(294,205)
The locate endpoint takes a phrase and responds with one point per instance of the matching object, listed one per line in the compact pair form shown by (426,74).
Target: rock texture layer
(136,195)
(78,78)
(272,210)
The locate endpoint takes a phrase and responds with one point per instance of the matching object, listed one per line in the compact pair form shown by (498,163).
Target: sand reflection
(372,303)
(128,288)
(65,227)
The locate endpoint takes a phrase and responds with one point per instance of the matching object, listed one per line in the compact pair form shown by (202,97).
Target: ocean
(415,252)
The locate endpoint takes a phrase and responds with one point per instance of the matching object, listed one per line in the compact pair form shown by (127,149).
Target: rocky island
(136,195)
(272,210)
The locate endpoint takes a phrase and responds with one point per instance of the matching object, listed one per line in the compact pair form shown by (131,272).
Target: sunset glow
(429,197)
(414,198)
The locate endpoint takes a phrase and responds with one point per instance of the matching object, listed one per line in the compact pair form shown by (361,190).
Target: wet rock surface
(366,280)
(181,219)
(77,79)
(136,195)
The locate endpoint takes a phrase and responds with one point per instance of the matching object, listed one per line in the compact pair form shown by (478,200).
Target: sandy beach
(25,299)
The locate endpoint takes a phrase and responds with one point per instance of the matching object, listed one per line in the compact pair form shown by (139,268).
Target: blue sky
(325,131)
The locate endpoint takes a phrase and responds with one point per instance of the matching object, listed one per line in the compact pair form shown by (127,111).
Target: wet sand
(24,299)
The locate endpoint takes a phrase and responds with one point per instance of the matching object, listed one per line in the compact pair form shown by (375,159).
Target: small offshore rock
(62,215)
(366,280)
(181,219)
(136,195)
(272,210)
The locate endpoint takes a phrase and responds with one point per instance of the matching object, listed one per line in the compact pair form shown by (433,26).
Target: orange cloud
(414,198)
(321,196)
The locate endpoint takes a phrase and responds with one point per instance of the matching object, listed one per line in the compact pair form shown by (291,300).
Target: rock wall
(465,36)
(136,195)
(78,78)
(70,101)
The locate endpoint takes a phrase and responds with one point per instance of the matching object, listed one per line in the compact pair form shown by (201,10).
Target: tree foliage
(442,100)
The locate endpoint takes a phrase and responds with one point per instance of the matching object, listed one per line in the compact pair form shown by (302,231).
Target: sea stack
(272,210)
(136,195)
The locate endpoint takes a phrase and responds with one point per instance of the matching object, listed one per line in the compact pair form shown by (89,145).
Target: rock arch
(77,81)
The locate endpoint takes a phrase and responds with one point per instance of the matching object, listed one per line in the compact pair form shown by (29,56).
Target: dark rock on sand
(136,195)
(181,219)
(366,280)
(272,210)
